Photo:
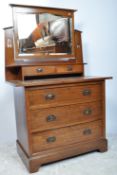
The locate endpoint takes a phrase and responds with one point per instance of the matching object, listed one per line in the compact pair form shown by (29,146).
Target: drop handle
(39,69)
(69,68)
(51,118)
(51,139)
(86,92)
(49,96)
(87,131)
(87,111)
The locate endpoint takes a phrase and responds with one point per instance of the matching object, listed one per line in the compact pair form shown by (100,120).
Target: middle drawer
(64,116)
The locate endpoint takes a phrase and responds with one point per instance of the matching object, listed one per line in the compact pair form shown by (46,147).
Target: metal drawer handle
(87,111)
(51,139)
(86,92)
(50,96)
(51,118)
(39,69)
(69,68)
(87,132)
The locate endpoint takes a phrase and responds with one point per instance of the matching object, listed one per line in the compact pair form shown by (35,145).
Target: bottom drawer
(64,136)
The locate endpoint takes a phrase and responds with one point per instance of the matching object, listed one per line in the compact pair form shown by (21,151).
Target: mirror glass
(44,34)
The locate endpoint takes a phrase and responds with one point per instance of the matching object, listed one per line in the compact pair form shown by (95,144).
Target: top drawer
(39,98)
(50,70)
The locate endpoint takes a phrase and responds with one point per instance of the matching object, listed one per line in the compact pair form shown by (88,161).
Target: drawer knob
(51,139)
(39,69)
(86,92)
(50,96)
(51,118)
(87,132)
(69,68)
(87,111)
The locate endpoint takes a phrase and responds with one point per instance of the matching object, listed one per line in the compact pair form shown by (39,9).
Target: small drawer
(37,70)
(49,70)
(63,136)
(69,69)
(38,98)
(64,116)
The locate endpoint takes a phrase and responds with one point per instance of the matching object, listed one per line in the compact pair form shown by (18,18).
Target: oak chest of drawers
(60,118)
(60,112)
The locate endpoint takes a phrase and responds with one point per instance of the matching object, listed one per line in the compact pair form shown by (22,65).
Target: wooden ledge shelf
(54,81)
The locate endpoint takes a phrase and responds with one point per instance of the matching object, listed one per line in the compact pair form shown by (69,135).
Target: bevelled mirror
(43,33)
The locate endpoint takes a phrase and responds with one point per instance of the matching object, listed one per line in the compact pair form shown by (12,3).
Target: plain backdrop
(98,21)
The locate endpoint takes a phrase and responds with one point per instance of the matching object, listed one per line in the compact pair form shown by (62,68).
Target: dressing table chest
(60,112)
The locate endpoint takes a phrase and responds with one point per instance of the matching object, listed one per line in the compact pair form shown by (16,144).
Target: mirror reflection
(44,33)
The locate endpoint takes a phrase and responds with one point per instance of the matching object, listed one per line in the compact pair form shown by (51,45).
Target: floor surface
(89,164)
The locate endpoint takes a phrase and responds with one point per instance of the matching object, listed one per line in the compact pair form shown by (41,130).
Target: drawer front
(63,95)
(69,69)
(38,70)
(48,70)
(60,137)
(64,116)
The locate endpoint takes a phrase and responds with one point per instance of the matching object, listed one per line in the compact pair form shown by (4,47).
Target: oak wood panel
(41,7)
(21,118)
(64,95)
(57,117)
(104,109)
(68,135)
(34,162)
(78,47)
(9,53)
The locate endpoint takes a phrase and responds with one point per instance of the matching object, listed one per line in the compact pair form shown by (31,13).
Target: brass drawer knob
(50,96)
(51,139)
(39,69)
(51,118)
(69,68)
(86,92)
(87,131)
(87,111)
